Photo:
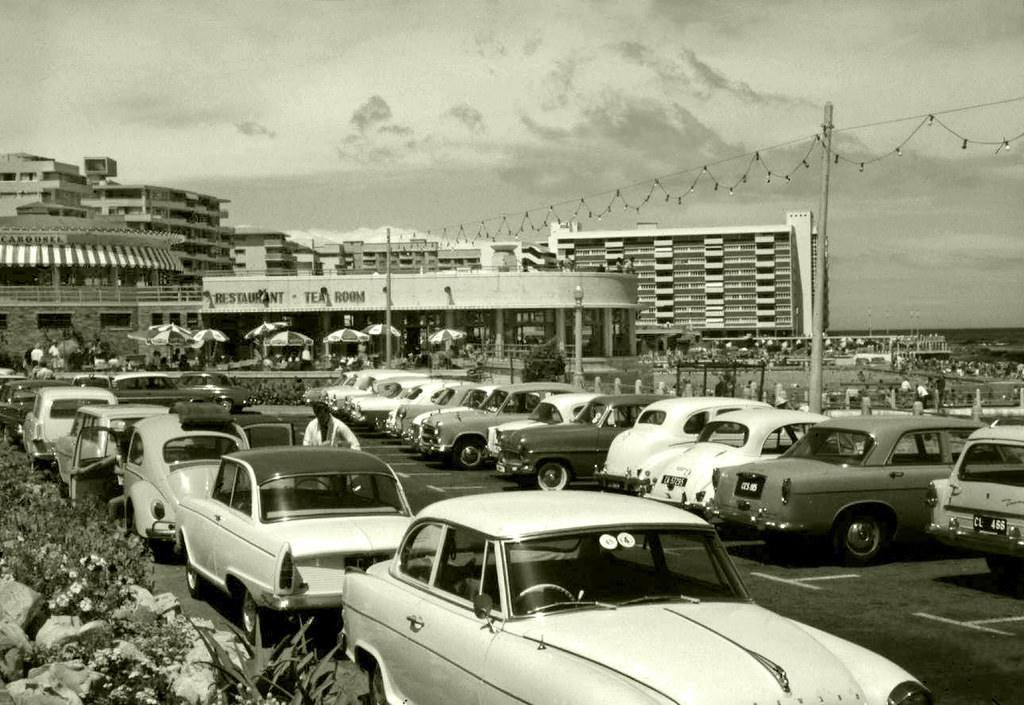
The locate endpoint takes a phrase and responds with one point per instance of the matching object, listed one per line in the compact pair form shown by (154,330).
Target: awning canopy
(141,257)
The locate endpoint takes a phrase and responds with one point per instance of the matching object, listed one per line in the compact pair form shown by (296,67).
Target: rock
(64,683)
(142,596)
(58,630)
(94,632)
(236,649)
(12,635)
(12,665)
(196,684)
(166,602)
(19,604)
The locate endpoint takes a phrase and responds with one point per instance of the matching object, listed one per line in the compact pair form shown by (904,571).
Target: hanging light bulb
(691,189)
(667,196)
(836,159)
(899,152)
(931,119)
(862,167)
(757,156)
(679,201)
(964,145)
(716,185)
(730,190)
(806,165)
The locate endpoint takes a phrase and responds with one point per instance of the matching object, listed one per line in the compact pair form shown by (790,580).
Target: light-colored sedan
(682,474)
(584,598)
(675,420)
(281,525)
(52,416)
(558,409)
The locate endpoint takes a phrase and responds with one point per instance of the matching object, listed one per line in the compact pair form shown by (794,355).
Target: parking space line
(803,582)
(456,487)
(977,624)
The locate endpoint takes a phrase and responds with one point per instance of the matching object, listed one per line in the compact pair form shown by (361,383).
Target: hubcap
(470,456)
(551,478)
(863,536)
(249,614)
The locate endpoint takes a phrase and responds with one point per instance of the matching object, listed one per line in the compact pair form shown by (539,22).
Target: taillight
(716,476)
(287,577)
(787,489)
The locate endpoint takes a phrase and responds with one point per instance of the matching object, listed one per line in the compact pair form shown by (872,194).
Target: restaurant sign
(266,297)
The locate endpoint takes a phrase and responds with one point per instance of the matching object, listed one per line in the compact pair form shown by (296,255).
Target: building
(720,281)
(35,185)
(258,251)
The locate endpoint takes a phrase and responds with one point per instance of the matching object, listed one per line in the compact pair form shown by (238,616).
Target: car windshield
(102,382)
(591,414)
(23,397)
(619,566)
(838,446)
(546,413)
(727,433)
(198,446)
(474,398)
(329,494)
(442,396)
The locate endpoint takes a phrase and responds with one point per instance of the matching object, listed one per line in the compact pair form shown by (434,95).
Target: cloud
(469,116)
(374,111)
(255,129)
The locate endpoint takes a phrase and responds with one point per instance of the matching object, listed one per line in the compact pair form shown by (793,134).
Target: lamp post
(577,373)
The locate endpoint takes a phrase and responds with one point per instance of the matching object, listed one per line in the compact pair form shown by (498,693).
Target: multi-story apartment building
(33,185)
(722,281)
(261,251)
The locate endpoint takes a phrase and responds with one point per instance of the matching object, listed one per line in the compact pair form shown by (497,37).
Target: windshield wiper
(572,605)
(660,598)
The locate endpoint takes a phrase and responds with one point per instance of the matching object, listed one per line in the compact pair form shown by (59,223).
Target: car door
(614,422)
(276,433)
(236,548)
(92,468)
(917,458)
(205,531)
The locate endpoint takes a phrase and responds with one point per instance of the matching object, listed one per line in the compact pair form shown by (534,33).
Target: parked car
(451,393)
(980,505)
(460,437)
(92,379)
(16,400)
(279,527)
(319,392)
(362,382)
(557,409)
(681,475)
(221,388)
(153,388)
(53,414)
(554,456)
(89,458)
(580,598)
(859,480)
(674,420)
(465,400)
(170,457)
(370,410)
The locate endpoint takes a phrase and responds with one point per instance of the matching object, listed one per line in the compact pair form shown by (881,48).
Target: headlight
(910,693)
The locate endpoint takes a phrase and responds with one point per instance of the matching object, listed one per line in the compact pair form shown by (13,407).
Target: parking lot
(934,611)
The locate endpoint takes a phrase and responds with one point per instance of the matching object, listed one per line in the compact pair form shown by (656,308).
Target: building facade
(37,185)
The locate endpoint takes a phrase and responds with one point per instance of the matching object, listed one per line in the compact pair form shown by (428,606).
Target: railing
(100,294)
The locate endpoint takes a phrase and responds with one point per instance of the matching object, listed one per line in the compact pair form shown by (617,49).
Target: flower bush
(284,392)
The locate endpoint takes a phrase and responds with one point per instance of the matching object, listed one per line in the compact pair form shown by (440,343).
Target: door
(204,527)
(917,458)
(988,492)
(235,543)
(92,468)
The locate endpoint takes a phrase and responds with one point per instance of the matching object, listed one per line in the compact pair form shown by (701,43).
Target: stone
(64,683)
(95,632)
(19,604)
(12,635)
(142,596)
(58,630)
(196,684)
(12,664)
(235,649)
(166,602)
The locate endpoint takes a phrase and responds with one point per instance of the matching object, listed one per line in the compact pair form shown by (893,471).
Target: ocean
(997,337)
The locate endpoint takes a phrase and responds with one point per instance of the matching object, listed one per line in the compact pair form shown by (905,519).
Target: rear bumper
(300,602)
(757,519)
(976,541)
(620,483)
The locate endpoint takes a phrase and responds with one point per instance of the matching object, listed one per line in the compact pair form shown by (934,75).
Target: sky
(337,119)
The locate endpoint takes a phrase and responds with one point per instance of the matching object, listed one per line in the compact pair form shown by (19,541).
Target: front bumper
(966,537)
(42,451)
(161,531)
(300,602)
(607,481)
(512,465)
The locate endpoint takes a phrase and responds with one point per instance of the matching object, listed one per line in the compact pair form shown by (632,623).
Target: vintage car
(319,392)
(464,400)
(53,414)
(557,409)
(461,437)
(980,505)
(370,410)
(92,379)
(221,388)
(553,456)
(89,458)
(681,475)
(663,423)
(362,383)
(280,526)
(169,457)
(153,388)
(586,598)
(858,480)
(16,400)
(449,394)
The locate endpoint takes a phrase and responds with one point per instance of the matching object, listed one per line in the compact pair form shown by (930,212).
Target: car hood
(351,534)
(695,645)
(791,467)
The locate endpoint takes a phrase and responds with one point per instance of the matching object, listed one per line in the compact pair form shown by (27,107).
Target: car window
(467,569)
(957,438)
(102,382)
(92,444)
(993,462)
(67,408)
(782,439)
(833,445)
(442,396)
(417,556)
(191,381)
(225,482)
(919,448)
(654,417)
(294,496)
(241,496)
(160,383)
(474,398)
(269,434)
(135,449)
(546,413)
(494,401)
(197,447)
(728,433)
(695,423)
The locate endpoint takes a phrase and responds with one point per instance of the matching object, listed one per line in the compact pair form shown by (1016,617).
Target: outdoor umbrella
(446,335)
(207,335)
(173,335)
(288,338)
(346,335)
(379,328)
(265,328)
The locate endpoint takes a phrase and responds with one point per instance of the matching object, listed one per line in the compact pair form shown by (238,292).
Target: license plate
(673,481)
(613,483)
(990,525)
(749,486)
(500,466)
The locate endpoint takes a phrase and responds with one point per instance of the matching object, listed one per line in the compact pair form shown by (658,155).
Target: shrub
(285,392)
(544,363)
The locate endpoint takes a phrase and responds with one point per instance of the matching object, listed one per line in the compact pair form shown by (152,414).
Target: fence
(100,294)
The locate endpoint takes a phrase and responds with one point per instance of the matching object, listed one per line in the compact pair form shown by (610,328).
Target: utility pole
(387,302)
(818,318)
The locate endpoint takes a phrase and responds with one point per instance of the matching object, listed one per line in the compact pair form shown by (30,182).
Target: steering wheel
(312,483)
(541,587)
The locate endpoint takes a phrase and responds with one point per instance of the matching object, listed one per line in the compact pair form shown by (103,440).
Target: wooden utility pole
(820,275)
(387,302)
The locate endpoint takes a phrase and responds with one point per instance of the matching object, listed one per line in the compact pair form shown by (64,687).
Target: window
(419,552)
(135,449)
(3,320)
(782,439)
(917,449)
(66,408)
(695,423)
(115,320)
(463,571)
(53,320)
(225,483)
(156,319)
(241,497)
(192,320)
(198,447)
(994,462)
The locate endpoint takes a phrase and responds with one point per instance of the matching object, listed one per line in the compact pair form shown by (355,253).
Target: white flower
(85,605)
(76,587)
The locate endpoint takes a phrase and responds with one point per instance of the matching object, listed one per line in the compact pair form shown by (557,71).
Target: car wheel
(257,620)
(377,696)
(469,454)
(226,404)
(552,475)
(860,537)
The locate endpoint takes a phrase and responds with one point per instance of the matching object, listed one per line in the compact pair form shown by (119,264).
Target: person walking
(328,430)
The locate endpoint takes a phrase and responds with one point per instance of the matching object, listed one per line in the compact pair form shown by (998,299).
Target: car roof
(769,418)
(568,400)
(132,375)
(38,383)
(898,424)
(284,461)
(69,391)
(537,386)
(623,399)
(684,404)
(1011,433)
(119,411)
(513,514)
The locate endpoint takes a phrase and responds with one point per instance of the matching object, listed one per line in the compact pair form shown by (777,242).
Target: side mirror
(482,606)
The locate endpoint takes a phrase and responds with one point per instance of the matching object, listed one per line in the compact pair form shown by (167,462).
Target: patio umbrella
(288,338)
(346,335)
(379,328)
(173,335)
(446,335)
(171,330)
(265,328)
(207,335)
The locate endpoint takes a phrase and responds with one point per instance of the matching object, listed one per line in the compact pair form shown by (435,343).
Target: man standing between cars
(328,430)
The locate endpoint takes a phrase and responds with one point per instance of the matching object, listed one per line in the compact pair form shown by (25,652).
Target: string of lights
(687,183)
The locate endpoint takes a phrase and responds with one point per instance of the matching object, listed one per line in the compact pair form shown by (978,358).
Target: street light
(577,374)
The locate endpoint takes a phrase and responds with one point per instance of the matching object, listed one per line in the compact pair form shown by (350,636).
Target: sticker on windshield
(626,540)
(608,541)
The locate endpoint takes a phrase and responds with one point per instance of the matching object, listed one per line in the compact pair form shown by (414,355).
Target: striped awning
(141,257)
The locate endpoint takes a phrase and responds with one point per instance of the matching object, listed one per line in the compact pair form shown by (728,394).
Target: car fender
(468,435)
(873,505)
(140,495)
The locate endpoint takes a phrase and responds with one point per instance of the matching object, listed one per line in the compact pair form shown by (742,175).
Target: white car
(450,393)
(52,416)
(682,474)
(372,410)
(587,598)
(359,384)
(561,408)
(675,420)
(468,400)
(281,525)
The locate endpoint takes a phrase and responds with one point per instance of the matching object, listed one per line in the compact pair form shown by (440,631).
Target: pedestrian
(327,430)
